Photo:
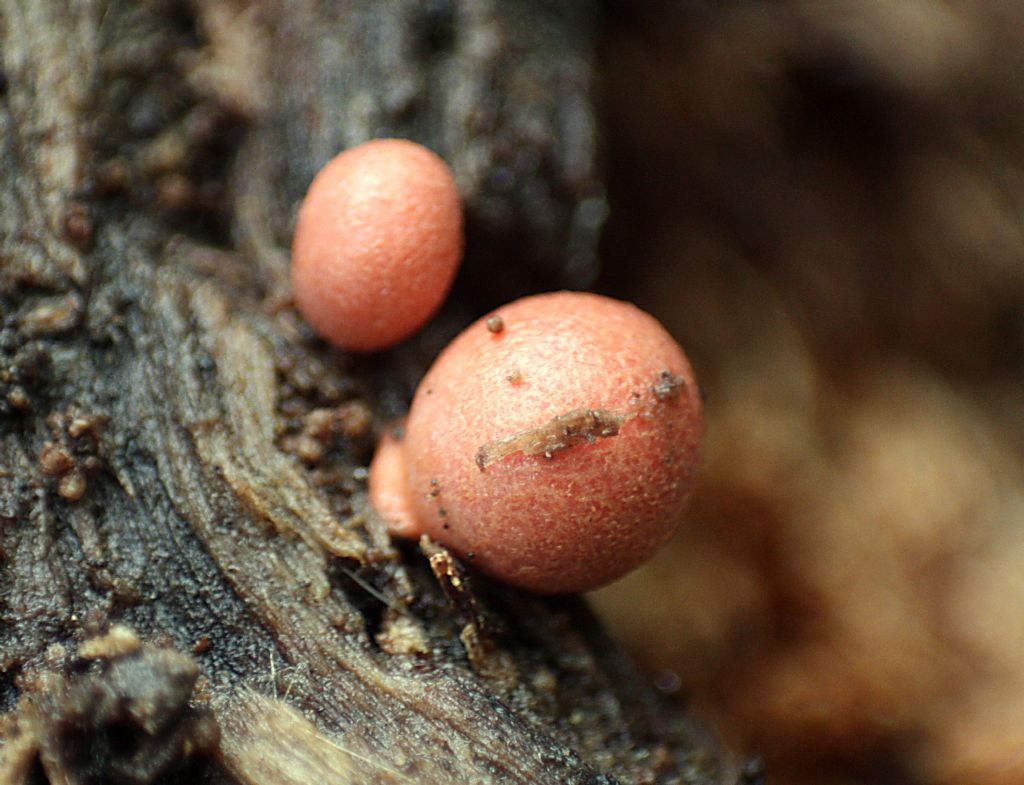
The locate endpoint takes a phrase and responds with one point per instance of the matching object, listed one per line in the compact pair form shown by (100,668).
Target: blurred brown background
(824,201)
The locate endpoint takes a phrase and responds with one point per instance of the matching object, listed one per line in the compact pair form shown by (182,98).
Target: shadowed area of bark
(192,587)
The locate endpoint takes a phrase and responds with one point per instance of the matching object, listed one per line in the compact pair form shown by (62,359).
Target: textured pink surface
(590,512)
(377,243)
(388,487)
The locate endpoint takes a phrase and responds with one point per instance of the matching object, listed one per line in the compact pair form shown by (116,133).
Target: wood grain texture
(154,384)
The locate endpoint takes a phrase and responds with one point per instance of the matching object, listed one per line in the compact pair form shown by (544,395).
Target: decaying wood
(192,587)
(579,426)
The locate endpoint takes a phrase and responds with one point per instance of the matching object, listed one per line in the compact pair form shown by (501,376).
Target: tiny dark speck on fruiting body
(495,324)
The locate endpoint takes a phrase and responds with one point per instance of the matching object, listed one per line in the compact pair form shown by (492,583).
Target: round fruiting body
(377,243)
(557,453)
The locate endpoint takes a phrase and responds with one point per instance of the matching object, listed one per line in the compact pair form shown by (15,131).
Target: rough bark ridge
(191,586)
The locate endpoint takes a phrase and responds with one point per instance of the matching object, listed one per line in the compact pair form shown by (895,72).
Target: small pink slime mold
(553,444)
(377,243)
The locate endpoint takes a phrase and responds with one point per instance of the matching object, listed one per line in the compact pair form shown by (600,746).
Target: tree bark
(192,586)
